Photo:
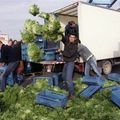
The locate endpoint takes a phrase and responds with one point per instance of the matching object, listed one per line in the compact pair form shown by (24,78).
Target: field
(18,103)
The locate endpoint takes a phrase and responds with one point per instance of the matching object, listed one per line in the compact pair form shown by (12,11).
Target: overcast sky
(13,13)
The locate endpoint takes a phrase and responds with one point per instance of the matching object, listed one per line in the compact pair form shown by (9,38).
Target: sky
(13,13)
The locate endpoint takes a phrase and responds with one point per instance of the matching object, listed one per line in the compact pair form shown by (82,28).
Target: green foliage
(19,104)
(33,26)
(34,52)
(34,10)
(28,37)
(50,30)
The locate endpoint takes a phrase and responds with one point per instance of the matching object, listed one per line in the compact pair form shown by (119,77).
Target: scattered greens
(34,52)
(18,103)
(51,30)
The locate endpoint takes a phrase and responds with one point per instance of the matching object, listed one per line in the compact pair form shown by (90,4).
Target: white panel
(100,30)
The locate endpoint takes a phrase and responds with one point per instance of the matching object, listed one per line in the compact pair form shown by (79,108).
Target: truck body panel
(99,29)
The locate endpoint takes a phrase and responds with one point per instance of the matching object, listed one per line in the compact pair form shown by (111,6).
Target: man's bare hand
(59,50)
(2,64)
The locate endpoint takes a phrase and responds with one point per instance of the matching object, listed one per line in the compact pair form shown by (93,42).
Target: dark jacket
(71,30)
(4,53)
(84,52)
(70,50)
(14,53)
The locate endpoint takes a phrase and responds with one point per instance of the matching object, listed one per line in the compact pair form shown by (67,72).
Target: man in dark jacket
(3,54)
(90,60)
(13,62)
(69,56)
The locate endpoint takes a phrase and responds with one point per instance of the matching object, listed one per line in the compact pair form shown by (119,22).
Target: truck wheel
(106,67)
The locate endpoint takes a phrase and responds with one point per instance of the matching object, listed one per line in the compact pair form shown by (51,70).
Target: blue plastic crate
(114,77)
(91,80)
(49,56)
(89,91)
(112,88)
(115,97)
(59,57)
(41,42)
(24,52)
(51,99)
(49,78)
(53,78)
(56,78)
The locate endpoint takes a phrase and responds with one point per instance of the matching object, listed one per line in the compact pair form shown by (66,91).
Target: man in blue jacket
(90,60)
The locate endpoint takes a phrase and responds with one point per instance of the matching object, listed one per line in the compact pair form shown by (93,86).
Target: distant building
(4,38)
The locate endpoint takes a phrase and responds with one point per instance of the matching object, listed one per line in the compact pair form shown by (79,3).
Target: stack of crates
(24,52)
(41,42)
(49,49)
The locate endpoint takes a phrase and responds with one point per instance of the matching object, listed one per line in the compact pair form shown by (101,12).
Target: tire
(106,67)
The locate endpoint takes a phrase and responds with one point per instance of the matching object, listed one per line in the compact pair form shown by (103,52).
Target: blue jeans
(91,63)
(67,75)
(10,69)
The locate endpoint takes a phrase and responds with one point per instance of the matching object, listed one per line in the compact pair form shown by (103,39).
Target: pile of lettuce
(18,103)
(51,30)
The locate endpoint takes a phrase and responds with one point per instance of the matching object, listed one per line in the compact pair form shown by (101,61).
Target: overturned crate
(111,88)
(93,80)
(51,99)
(89,91)
(114,77)
(115,97)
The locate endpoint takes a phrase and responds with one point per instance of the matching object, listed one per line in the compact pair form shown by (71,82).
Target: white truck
(99,29)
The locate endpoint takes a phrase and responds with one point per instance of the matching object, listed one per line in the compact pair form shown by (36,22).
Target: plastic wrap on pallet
(114,77)
(91,80)
(89,91)
(115,97)
(51,99)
